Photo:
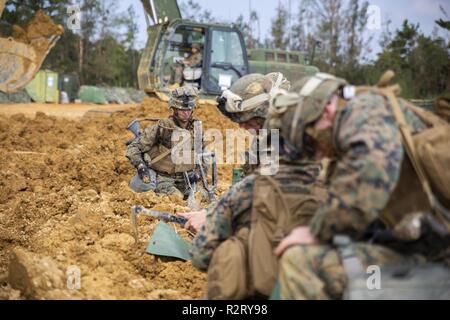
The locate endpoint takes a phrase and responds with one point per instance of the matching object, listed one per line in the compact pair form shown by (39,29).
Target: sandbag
(227,272)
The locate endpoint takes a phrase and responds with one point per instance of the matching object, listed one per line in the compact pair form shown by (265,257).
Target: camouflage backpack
(428,152)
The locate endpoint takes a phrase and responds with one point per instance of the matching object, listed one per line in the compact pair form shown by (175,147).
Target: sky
(424,12)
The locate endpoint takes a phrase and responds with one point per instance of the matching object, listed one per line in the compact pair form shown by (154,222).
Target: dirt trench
(65,202)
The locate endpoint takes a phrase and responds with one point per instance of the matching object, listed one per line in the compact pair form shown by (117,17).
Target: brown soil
(64,198)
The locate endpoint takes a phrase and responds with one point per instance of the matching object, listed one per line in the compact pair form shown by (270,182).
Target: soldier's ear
(331,107)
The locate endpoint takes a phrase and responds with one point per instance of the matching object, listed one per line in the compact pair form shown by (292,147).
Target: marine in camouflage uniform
(252,119)
(157,140)
(194,60)
(233,210)
(365,142)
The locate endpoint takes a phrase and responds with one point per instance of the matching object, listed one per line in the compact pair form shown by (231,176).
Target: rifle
(164,216)
(135,128)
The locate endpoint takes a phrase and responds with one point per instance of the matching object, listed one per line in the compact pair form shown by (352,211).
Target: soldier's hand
(143,173)
(196,219)
(298,236)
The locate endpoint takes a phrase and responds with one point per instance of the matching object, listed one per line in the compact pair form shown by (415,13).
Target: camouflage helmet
(184,97)
(196,45)
(249,96)
(293,112)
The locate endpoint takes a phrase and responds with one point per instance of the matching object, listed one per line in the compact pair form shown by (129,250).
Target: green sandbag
(166,242)
(90,94)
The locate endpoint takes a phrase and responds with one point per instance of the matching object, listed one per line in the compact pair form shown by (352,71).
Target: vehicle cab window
(179,49)
(227,63)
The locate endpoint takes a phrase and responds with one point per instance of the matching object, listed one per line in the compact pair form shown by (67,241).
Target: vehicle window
(227,58)
(270,56)
(226,47)
(179,47)
(294,58)
(282,57)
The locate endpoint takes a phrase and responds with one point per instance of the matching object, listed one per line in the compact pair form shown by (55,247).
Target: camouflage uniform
(193,61)
(232,211)
(316,272)
(369,160)
(160,134)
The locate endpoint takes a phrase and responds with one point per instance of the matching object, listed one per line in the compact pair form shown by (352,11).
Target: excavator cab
(22,54)
(170,39)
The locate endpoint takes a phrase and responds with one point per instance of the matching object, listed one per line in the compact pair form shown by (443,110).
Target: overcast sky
(424,12)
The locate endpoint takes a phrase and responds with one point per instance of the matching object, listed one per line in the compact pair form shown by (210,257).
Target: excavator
(22,53)
(224,53)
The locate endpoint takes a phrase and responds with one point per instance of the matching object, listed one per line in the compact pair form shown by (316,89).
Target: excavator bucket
(22,54)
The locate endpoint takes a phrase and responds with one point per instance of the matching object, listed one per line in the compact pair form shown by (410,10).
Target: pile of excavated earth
(65,203)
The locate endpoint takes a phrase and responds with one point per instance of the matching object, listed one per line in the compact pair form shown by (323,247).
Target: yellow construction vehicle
(22,53)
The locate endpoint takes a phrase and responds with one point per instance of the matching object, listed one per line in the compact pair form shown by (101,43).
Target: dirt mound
(65,203)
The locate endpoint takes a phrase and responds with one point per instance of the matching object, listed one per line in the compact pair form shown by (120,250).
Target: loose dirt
(65,203)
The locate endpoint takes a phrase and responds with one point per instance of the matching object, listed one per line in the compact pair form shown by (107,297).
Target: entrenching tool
(164,216)
(165,241)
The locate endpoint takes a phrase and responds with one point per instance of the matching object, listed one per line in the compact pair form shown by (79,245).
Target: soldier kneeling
(151,155)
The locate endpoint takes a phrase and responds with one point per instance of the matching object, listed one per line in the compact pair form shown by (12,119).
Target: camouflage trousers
(169,185)
(316,272)
(166,185)
(176,75)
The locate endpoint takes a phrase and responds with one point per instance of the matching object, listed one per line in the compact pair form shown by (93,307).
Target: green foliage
(247,29)
(422,63)
(278,30)
(192,10)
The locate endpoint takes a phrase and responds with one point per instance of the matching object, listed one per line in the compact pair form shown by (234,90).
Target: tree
(251,40)
(192,10)
(336,29)
(420,62)
(278,28)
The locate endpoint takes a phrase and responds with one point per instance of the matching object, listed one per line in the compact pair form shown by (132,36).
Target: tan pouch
(274,214)
(163,164)
(433,149)
(227,272)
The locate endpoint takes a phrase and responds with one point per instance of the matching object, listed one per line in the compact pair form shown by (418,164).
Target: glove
(143,173)
(193,177)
